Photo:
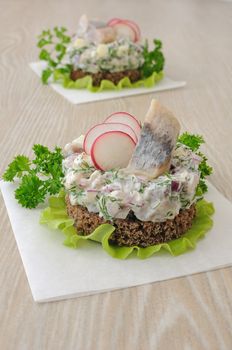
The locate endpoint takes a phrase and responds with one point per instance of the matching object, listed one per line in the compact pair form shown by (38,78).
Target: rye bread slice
(133,74)
(131,231)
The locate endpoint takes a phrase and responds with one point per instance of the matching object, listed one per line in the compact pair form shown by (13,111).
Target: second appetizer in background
(100,55)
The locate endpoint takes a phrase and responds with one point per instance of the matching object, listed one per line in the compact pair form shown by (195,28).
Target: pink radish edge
(103,132)
(122,22)
(136,28)
(130,25)
(136,120)
(92,148)
(113,21)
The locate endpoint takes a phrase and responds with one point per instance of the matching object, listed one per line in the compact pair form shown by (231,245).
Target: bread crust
(133,74)
(131,231)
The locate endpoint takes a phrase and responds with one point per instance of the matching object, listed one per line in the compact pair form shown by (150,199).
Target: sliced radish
(100,129)
(113,21)
(125,27)
(125,118)
(124,30)
(135,27)
(112,150)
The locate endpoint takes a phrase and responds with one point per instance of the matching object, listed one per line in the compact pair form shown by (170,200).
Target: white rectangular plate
(82,96)
(56,272)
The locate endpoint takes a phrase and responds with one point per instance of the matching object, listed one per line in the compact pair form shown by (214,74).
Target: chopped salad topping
(116,56)
(113,194)
(115,46)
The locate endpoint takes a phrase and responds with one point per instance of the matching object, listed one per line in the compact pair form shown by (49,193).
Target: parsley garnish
(194,142)
(39,177)
(53,45)
(153,60)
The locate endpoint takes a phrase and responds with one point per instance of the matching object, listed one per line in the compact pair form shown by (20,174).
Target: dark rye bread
(131,231)
(133,74)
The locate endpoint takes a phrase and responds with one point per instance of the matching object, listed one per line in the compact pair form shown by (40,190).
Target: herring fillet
(153,152)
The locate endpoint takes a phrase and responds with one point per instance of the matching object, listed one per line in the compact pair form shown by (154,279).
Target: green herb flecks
(53,45)
(77,193)
(102,204)
(194,142)
(103,207)
(39,177)
(142,187)
(86,168)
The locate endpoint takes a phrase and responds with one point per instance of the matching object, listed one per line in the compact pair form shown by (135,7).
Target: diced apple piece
(75,146)
(125,118)
(100,129)
(112,150)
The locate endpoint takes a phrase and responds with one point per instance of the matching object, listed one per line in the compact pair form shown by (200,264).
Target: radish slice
(125,118)
(112,150)
(124,30)
(113,21)
(100,129)
(135,27)
(120,24)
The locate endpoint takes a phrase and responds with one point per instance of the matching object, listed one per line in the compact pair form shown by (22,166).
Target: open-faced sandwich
(100,55)
(125,185)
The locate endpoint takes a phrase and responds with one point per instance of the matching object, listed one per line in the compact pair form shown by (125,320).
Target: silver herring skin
(153,153)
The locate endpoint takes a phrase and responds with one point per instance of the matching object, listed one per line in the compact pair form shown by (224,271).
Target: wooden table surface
(187,313)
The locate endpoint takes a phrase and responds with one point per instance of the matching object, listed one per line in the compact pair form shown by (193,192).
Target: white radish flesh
(100,129)
(124,30)
(125,118)
(131,24)
(112,150)
(135,27)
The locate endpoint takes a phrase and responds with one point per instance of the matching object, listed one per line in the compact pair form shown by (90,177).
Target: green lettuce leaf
(55,217)
(86,82)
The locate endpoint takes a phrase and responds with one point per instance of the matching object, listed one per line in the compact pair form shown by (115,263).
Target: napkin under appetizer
(56,272)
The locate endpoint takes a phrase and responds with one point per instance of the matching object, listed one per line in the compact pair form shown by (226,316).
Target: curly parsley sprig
(53,45)
(153,60)
(38,177)
(194,142)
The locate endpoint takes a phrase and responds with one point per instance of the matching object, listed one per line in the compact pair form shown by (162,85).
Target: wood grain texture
(187,313)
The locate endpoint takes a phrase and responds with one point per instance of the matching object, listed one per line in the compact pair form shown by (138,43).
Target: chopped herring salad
(114,193)
(111,46)
(114,57)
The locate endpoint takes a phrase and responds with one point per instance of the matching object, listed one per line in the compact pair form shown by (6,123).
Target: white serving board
(56,272)
(77,96)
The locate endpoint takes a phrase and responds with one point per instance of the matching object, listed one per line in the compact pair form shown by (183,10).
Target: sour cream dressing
(113,194)
(117,56)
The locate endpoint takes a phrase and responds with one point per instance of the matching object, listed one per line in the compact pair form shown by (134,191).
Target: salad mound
(126,185)
(100,55)
(115,193)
